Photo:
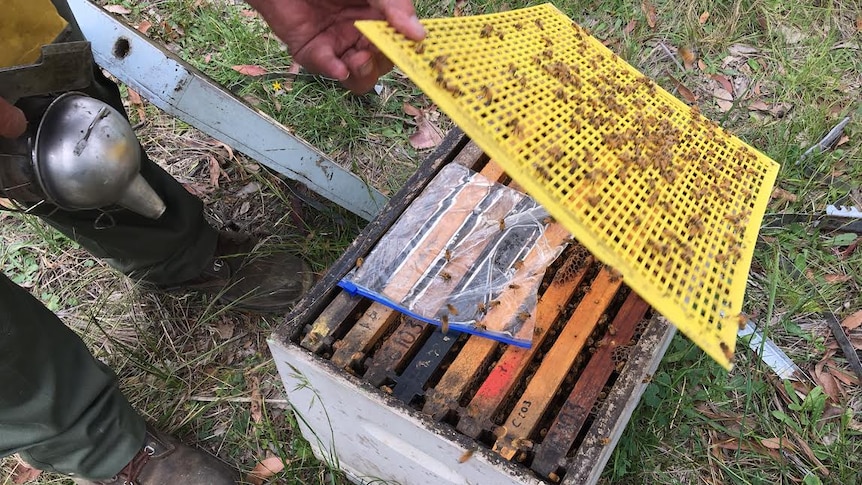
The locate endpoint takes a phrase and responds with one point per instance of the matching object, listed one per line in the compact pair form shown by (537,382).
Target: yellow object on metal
(651,187)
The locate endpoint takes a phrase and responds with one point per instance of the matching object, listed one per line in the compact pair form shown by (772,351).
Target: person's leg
(60,408)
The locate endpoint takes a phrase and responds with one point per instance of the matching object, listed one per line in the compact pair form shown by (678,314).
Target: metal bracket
(182,91)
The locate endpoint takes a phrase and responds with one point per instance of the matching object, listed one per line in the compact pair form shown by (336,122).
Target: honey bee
(556,153)
(687,254)
(439,63)
(467,455)
(487,30)
(480,326)
(419,48)
(614,275)
(512,68)
(515,124)
(560,93)
(537,60)
(538,331)
(454,90)
(604,441)
(727,352)
(518,26)
(742,320)
(594,199)
(523,81)
(500,34)
(444,324)
(548,41)
(447,255)
(452,309)
(653,198)
(502,224)
(523,316)
(737,218)
(359,262)
(514,286)
(488,95)
(518,264)
(493,303)
(721,258)
(445,276)
(548,53)
(539,24)
(481,307)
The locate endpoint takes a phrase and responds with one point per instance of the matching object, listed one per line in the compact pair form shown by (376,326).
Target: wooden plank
(476,352)
(378,318)
(321,293)
(512,365)
(556,365)
(396,350)
(505,314)
(550,454)
(605,431)
(333,318)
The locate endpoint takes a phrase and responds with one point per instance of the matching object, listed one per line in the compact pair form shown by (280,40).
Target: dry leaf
(427,135)
(248,13)
(683,90)
(208,58)
(630,27)
(852,321)
(758,105)
(843,377)
(250,70)
(117,9)
(724,82)
(225,330)
(22,473)
(459,8)
(649,12)
(777,443)
(136,101)
(144,26)
(844,139)
(688,57)
(837,278)
(859,23)
(703,18)
(248,189)
(256,410)
(196,189)
(215,171)
(825,380)
(783,195)
(265,469)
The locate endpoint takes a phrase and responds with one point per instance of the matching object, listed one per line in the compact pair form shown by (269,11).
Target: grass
(191,367)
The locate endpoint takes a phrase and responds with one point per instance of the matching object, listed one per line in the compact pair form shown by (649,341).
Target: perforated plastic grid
(650,186)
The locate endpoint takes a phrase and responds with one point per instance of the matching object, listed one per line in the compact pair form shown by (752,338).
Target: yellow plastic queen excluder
(650,186)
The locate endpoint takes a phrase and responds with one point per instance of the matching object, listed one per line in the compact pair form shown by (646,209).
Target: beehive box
(386,397)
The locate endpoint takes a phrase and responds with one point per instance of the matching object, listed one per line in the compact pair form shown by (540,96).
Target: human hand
(322,38)
(12,120)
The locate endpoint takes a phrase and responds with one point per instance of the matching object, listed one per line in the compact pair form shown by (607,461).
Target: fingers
(12,120)
(402,16)
(320,57)
(365,68)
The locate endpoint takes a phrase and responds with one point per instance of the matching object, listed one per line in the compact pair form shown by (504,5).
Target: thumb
(12,120)
(402,16)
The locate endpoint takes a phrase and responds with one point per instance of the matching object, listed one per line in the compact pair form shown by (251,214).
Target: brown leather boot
(249,276)
(163,460)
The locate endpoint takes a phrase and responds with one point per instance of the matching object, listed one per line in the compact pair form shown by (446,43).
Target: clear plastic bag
(468,254)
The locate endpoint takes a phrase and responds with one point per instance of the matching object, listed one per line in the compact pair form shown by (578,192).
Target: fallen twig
(239,399)
(827,140)
(844,343)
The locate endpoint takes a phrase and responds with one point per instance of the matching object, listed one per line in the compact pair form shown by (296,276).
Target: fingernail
(366,69)
(417,25)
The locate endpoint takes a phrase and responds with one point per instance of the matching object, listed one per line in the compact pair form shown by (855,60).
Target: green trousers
(60,408)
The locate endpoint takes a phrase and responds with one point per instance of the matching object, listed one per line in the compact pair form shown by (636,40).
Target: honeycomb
(650,186)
